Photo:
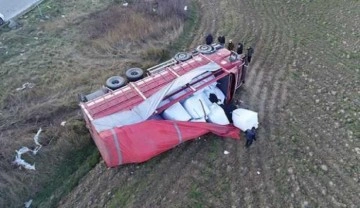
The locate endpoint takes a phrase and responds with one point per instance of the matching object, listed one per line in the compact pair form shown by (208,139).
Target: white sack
(176,112)
(245,119)
(196,106)
(217,115)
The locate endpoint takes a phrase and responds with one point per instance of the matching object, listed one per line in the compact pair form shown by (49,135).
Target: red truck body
(147,137)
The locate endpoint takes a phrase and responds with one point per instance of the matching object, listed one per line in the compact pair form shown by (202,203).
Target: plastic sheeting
(140,142)
(145,109)
(21,162)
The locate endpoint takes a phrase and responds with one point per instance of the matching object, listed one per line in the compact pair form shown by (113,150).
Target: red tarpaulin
(139,142)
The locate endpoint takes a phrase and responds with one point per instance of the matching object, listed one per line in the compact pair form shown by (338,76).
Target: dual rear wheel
(132,75)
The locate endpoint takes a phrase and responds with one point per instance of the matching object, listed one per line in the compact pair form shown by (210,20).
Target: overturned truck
(133,122)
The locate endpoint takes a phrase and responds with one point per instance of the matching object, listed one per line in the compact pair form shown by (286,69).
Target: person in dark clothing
(239,49)
(209,39)
(228,108)
(221,40)
(213,98)
(231,45)
(250,135)
(243,73)
(250,52)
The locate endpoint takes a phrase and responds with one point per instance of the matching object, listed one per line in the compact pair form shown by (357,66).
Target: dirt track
(306,91)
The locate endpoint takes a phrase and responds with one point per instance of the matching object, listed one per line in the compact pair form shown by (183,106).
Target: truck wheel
(205,49)
(115,82)
(182,56)
(134,74)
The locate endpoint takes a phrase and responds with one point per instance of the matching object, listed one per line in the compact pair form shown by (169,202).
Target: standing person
(250,136)
(243,73)
(209,39)
(221,40)
(231,45)
(228,109)
(239,49)
(250,52)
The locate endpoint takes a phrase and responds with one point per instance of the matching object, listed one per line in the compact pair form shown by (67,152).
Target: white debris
(63,123)
(21,162)
(28,203)
(258,172)
(185,8)
(125,4)
(226,152)
(324,167)
(36,137)
(26,85)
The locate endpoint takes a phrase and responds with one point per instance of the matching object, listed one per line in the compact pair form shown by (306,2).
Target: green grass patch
(67,175)
(189,31)
(196,197)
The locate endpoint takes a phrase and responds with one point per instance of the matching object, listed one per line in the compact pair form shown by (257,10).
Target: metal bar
(161,66)
(137,90)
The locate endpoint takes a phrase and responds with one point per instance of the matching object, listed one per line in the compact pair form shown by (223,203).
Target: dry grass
(74,50)
(118,30)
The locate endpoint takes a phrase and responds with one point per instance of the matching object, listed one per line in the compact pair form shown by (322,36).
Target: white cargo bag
(195,106)
(176,112)
(217,115)
(245,119)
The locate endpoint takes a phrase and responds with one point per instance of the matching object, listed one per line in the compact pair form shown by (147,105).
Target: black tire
(115,82)
(1,21)
(205,49)
(134,74)
(182,56)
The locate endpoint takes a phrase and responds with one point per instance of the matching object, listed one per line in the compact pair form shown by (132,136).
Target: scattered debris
(125,4)
(226,152)
(185,8)
(258,172)
(290,170)
(26,85)
(21,162)
(324,167)
(63,123)
(28,203)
